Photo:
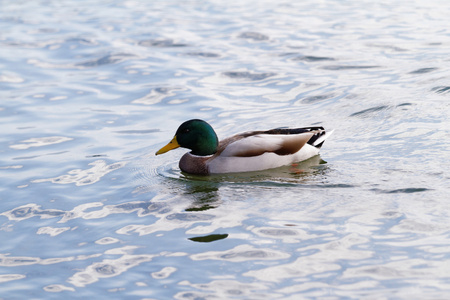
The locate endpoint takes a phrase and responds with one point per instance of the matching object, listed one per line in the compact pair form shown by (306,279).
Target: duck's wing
(319,136)
(278,141)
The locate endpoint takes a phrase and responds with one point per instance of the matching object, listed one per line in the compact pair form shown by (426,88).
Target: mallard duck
(244,152)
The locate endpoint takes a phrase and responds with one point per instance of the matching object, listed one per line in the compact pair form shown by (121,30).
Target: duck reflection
(209,238)
(205,195)
(205,190)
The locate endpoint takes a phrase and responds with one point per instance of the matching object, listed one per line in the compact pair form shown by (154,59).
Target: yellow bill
(173,144)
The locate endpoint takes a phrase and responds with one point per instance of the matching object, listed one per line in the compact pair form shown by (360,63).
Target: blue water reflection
(90,90)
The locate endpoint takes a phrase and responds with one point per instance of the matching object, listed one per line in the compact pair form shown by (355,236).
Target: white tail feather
(323,138)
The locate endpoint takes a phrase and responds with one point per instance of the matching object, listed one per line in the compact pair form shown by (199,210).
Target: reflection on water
(108,267)
(295,173)
(205,196)
(85,177)
(90,91)
(209,238)
(39,142)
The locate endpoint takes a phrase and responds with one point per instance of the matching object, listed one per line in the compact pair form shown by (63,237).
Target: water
(91,89)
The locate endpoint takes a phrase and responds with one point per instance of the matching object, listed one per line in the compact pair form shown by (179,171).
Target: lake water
(91,89)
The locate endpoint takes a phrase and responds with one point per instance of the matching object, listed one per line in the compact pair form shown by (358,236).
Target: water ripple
(106,60)
(226,289)
(164,273)
(40,142)
(311,58)
(369,111)
(157,95)
(10,277)
(162,43)
(92,210)
(244,75)
(85,177)
(311,263)
(348,67)
(107,268)
(423,70)
(441,89)
(52,231)
(254,36)
(405,190)
(57,288)
(88,97)
(241,254)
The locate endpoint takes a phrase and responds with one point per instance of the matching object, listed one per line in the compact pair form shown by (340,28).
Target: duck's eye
(187,130)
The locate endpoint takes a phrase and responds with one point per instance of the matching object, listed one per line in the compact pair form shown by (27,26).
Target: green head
(196,135)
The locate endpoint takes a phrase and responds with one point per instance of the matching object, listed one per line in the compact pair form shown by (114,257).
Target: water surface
(91,89)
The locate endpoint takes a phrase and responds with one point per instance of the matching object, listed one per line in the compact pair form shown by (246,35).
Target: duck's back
(260,150)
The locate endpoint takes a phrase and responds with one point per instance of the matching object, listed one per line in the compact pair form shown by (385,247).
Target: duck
(244,152)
